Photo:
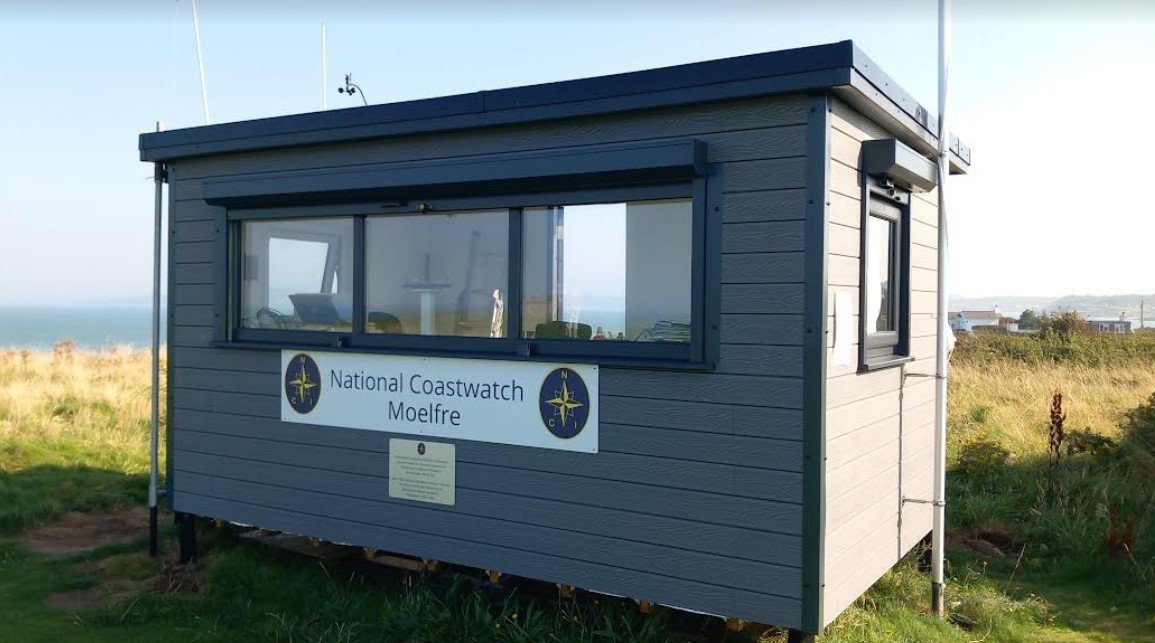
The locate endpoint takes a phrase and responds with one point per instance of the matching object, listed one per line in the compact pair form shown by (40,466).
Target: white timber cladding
(695,496)
(879,430)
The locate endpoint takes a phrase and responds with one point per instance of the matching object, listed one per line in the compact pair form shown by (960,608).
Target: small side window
(885,295)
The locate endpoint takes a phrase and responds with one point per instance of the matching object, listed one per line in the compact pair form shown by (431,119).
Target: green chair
(562,330)
(385,323)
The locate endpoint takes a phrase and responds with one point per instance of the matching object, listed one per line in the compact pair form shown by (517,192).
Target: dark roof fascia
(805,69)
(868,99)
(885,86)
(155,147)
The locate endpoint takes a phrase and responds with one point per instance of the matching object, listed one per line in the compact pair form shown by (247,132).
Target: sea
(91,328)
(102,327)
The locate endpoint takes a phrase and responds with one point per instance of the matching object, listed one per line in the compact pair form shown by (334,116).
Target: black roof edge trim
(795,83)
(799,70)
(711,72)
(889,88)
(863,96)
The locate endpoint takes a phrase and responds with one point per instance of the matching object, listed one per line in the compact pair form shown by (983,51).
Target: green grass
(73,436)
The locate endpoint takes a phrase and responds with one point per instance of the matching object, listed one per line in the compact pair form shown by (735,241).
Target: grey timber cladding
(879,425)
(695,498)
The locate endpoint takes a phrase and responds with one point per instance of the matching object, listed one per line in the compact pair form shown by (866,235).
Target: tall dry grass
(98,399)
(1009,400)
(74,431)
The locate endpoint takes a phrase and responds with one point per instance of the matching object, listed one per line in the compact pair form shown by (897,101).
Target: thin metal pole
(941,363)
(324,71)
(154,432)
(201,63)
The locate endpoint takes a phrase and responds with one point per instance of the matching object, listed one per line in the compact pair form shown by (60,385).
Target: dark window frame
(879,350)
(700,185)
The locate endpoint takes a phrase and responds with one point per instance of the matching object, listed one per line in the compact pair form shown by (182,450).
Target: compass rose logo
(303,383)
(564,402)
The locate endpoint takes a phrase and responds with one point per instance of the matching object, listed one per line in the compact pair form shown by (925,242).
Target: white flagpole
(941,363)
(201,63)
(154,429)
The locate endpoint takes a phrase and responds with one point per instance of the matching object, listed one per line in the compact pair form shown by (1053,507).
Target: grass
(74,436)
(74,428)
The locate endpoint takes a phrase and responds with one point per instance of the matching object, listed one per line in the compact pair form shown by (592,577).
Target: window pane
(437,274)
(619,271)
(880,275)
(297,274)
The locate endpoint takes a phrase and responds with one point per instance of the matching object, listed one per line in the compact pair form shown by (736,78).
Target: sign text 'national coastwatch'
(534,404)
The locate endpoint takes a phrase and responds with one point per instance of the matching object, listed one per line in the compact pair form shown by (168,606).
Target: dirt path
(113,578)
(76,532)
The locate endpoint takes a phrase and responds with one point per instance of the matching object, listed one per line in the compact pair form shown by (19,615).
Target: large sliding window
(582,277)
(603,255)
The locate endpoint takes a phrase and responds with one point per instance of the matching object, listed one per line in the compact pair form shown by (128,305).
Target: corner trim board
(818,141)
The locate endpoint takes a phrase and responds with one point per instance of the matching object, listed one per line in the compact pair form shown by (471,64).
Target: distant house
(1109,326)
(966,321)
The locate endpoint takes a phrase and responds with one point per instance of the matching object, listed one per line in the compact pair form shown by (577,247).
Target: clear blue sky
(1053,99)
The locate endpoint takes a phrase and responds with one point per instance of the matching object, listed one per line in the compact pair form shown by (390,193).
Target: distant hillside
(1106,306)
(1095,306)
(1009,304)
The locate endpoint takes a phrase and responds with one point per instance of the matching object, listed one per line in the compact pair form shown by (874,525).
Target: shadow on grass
(32,495)
(255,592)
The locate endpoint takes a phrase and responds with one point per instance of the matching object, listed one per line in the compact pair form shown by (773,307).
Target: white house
(966,321)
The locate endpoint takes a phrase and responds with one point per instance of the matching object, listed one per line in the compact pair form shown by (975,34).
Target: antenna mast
(324,71)
(201,63)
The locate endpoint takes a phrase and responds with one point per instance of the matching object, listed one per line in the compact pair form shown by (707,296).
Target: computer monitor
(315,309)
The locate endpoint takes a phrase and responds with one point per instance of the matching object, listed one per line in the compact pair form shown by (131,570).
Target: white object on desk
(428,291)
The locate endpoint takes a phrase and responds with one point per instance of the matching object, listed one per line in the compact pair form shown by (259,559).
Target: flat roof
(841,68)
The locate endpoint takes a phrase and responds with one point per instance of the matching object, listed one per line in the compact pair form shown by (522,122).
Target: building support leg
(187,534)
(798,636)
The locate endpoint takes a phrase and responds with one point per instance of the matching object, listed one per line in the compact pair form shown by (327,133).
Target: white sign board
(534,404)
(423,471)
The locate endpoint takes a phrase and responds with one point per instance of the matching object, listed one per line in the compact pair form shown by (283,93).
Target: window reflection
(612,271)
(437,274)
(880,275)
(297,274)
